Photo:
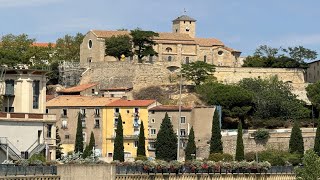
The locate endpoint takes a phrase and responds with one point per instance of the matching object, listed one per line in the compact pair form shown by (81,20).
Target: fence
(14,170)
(127,169)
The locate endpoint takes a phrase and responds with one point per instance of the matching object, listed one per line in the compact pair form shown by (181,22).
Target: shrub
(261,134)
(250,156)
(279,158)
(37,159)
(141,158)
(220,157)
(152,92)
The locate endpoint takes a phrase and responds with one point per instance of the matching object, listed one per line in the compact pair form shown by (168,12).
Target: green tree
(273,98)
(266,51)
(317,140)
(191,148)
(313,93)
(152,92)
(301,54)
(166,142)
(118,45)
(143,43)
(118,150)
(68,47)
(88,150)
(79,136)
(240,148)
(215,142)
(197,71)
(296,144)
(58,143)
(236,101)
(141,151)
(311,167)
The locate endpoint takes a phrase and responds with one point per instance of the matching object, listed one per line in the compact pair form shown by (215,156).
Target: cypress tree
(141,151)
(296,144)
(58,143)
(240,147)
(317,140)
(88,150)
(191,146)
(118,150)
(166,142)
(79,136)
(215,142)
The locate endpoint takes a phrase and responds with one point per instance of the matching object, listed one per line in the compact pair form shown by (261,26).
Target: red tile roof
(131,103)
(117,89)
(80,101)
(49,97)
(40,44)
(208,42)
(170,108)
(79,88)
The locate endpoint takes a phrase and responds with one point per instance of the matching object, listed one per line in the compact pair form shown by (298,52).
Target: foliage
(79,136)
(68,47)
(216,142)
(118,45)
(166,142)
(235,101)
(301,54)
(88,150)
(152,92)
(191,146)
(142,158)
(261,134)
(220,157)
(197,71)
(273,98)
(250,156)
(76,158)
(118,150)
(266,51)
(143,43)
(240,148)
(313,93)
(37,159)
(58,143)
(317,140)
(296,144)
(141,151)
(311,167)
(279,158)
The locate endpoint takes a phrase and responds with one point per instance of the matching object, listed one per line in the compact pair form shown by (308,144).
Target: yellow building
(132,112)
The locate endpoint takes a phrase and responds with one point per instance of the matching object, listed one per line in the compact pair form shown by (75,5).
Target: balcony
(96,115)
(32,117)
(127,137)
(116,114)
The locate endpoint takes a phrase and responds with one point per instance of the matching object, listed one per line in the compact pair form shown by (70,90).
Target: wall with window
(313,72)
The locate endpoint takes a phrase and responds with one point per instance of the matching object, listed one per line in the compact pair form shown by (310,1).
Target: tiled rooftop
(80,101)
(79,88)
(170,108)
(131,103)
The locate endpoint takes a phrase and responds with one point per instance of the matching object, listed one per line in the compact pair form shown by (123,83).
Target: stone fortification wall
(165,73)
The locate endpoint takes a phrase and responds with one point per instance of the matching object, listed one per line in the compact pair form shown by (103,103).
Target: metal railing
(12,150)
(14,170)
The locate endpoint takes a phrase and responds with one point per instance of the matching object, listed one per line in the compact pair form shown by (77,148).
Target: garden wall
(31,177)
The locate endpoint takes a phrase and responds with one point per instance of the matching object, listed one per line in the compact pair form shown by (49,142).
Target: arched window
(169,58)
(168,49)
(205,58)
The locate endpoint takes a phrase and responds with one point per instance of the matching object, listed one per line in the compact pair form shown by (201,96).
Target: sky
(240,24)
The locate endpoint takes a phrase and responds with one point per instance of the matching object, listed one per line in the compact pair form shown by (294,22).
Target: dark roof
(313,61)
(170,108)
(184,18)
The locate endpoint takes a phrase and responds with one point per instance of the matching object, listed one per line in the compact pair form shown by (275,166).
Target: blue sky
(240,24)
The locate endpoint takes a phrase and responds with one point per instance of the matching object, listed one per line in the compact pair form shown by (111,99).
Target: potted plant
(175,166)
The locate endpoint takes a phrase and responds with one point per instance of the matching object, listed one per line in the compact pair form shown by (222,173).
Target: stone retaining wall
(36,177)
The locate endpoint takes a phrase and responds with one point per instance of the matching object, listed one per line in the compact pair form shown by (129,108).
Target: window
(183,144)
(97,123)
(84,137)
(47,111)
(89,59)
(83,112)
(205,58)
(153,120)
(135,144)
(109,154)
(152,145)
(170,118)
(150,59)
(168,49)
(153,131)
(128,111)
(169,58)
(190,22)
(176,30)
(184,22)
(83,122)
(9,87)
(187,60)
(64,112)
(11,109)
(49,129)
(183,120)
(115,121)
(90,44)
(64,124)
(220,53)
(92,91)
(36,92)
(182,132)
(97,112)
(152,112)
(116,112)
(67,136)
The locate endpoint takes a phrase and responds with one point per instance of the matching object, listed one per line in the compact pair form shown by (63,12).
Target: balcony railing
(28,116)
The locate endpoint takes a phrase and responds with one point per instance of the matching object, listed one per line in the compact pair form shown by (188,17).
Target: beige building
(176,47)
(90,89)
(313,71)
(67,108)
(24,128)
(200,118)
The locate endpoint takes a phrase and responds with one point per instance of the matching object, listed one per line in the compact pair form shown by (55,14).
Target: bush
(279,158)
(141,158)
(37,159)
(220,157)
(261,134)
(152,92)
(250,156)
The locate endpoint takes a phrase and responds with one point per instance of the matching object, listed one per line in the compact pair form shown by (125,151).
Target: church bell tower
(184,24)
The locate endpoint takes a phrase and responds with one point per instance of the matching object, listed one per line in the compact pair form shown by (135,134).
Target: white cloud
(23,3)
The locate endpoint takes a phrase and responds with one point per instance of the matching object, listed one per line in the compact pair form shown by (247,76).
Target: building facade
(132,112)
(176,47)
(313,72)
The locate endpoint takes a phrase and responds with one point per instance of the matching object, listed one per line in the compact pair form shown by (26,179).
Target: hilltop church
(176,47)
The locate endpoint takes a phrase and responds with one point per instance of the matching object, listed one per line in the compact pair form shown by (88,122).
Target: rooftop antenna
(184,11)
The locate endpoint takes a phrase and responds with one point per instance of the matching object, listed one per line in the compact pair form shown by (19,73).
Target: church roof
(208,42)
(184,18)
(106,34)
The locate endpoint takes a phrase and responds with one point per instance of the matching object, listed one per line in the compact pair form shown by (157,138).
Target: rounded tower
(184,24)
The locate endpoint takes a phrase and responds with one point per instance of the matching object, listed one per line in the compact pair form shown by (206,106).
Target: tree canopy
(191,149)
(143,43)
(311,167)
(216,142)
(197,71)
(68,47)
(313,93)
(118,45)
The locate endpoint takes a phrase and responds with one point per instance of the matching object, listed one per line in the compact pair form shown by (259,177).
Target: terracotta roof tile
(80,101)
(79,88)
(49,97)
(131,103)
(40,44)
(174,36)
(106,34)
(117,89)
(170,108)
(230,49)
(208,42)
